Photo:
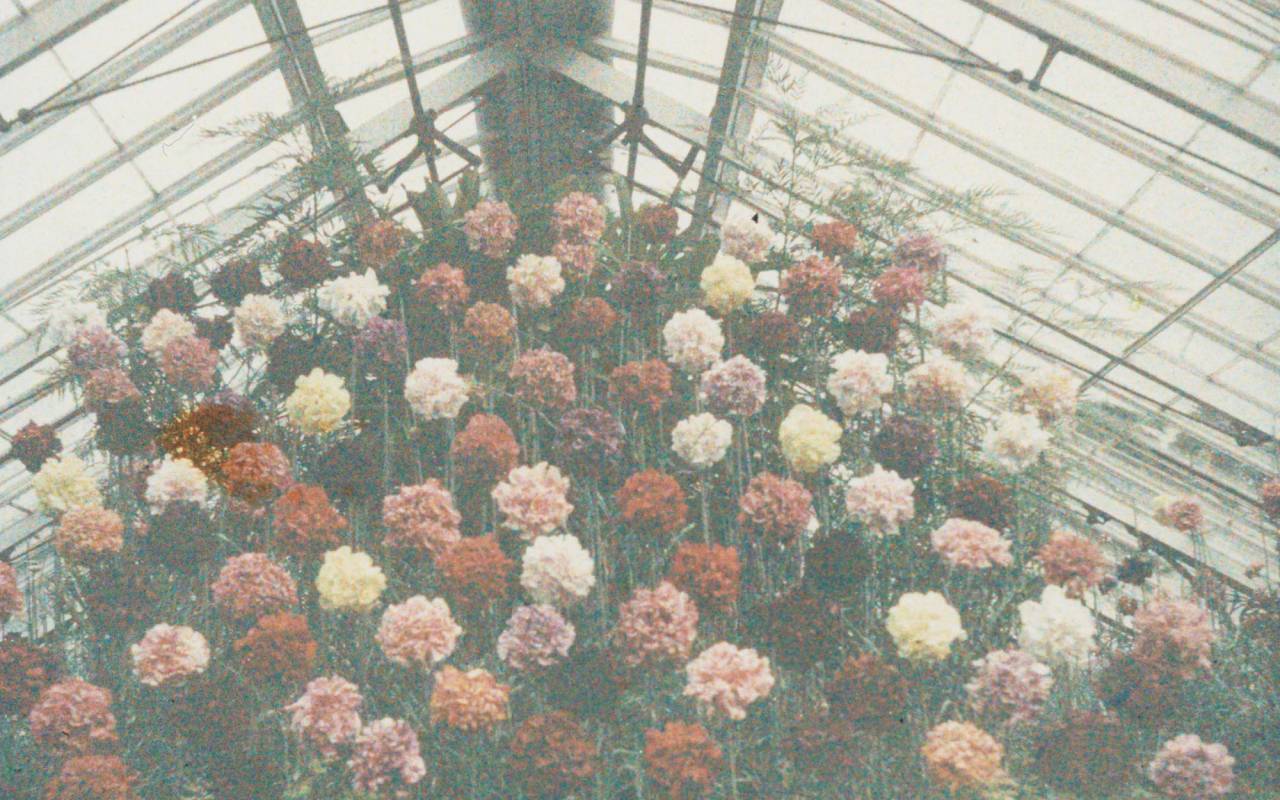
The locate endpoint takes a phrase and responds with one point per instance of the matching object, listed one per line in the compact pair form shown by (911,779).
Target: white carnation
(859,381)
(535,281)
(746,239)
(701,440)
(557,570)
(165,327)
(693,340)
(259,320)
(962,330)
(1056,629)
(176,480)
(1016,441)
(434,388)
(354,299)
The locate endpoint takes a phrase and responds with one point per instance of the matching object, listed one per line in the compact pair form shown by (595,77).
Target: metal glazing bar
(44,25)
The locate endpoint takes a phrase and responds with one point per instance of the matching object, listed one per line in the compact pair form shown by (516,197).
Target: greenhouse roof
(1138,142)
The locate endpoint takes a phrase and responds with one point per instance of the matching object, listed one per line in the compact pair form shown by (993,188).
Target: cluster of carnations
(378,523)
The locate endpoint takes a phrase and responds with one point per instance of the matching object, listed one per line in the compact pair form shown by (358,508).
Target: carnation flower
(639,285)
(435,390)
(444,287)
(735,387)
(255,471)
(811,287)
(682,760)
(1072,562)
(692,340)
(165,327)
(475,571)
(657,625)
(26,669)
(35,444)
(305,522)
(900,288)
(874,329)
(175,480)
(962,331)
(95,348)
(386,750)
(1173,636)
(882,500)
(418,632)
(259,320)
(107,389)
(205,434)
(251,585)
(1010,685)
(11,599)
(938,384)
(235,280)
(353,300)
(490,228)
(578,216)
(727,284)
(905,445)
(278,649)
(701,440)
(1056,629)
(651,502)
(68,319)
(534,281)
(835,237)
(64,483)
(869,693)
(304,264)
(924,626)
(544,378)
(92,777)
(1049,392)
(88,532)
(349,581)
(421,517)
(379,242)
(774,507)
(534,500)
(920,251)
(318,403)
(578,260)
(590,441)
(552,756)
(859,381)
(960,755)
(728,679)
(984,499)
(485,450)
(657,223)
(644,384)
(536,637)
(588,319)
(190,364)
(745,239)
(970,545)
(73,716)
(383,345)
(557,570)
(768,336)
(327,715)
(810,439)
(1016,441)
(710,573)
(169,653)
(1182,513)
(490,326)
(469,701)
(1187,768)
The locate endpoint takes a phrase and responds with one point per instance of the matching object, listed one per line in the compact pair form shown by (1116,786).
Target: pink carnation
(189,363)
(578,217)
(882,499)
(578,259)
(534,500)
(168,653)
(93,348)
(252,585)
(1181,513)
(920,251)
(418,631)
(73,715)
(734,388)
(777,507)
(1173,635)
(88,531)
(421,517)
(728,679)
(327,714)
(657,625)
(544,378)
(899,287)
(490,228)
(535,636)
(386,750)
(969,544)
(1009,684)
(1186,768)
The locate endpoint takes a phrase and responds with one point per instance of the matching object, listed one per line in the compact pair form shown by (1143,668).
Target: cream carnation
(859,381)
(728,679)
(939,383)
(924,626)
(318,403)
(1016,441)
(169,652)
(176,480)
(535,281)
(259,320)
(557,570)
(692,340)
(353,300)
(882,499)
(534,500)
(435,390)
(165,327)
(810,439)
(727,284)
(963,331)
(64,483)
(418,632)
(349,581)
(1056,629)
(746,239)
(701,440)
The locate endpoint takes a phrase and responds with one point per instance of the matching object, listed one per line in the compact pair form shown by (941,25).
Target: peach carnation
(469,701)
(728,679)
(88,532)
(418,631)
(534,500)
(972,545)
(960,755)
(421,517)
(169,653)
(657,625)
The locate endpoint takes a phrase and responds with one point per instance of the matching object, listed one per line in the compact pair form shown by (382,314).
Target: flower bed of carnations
(573,504)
